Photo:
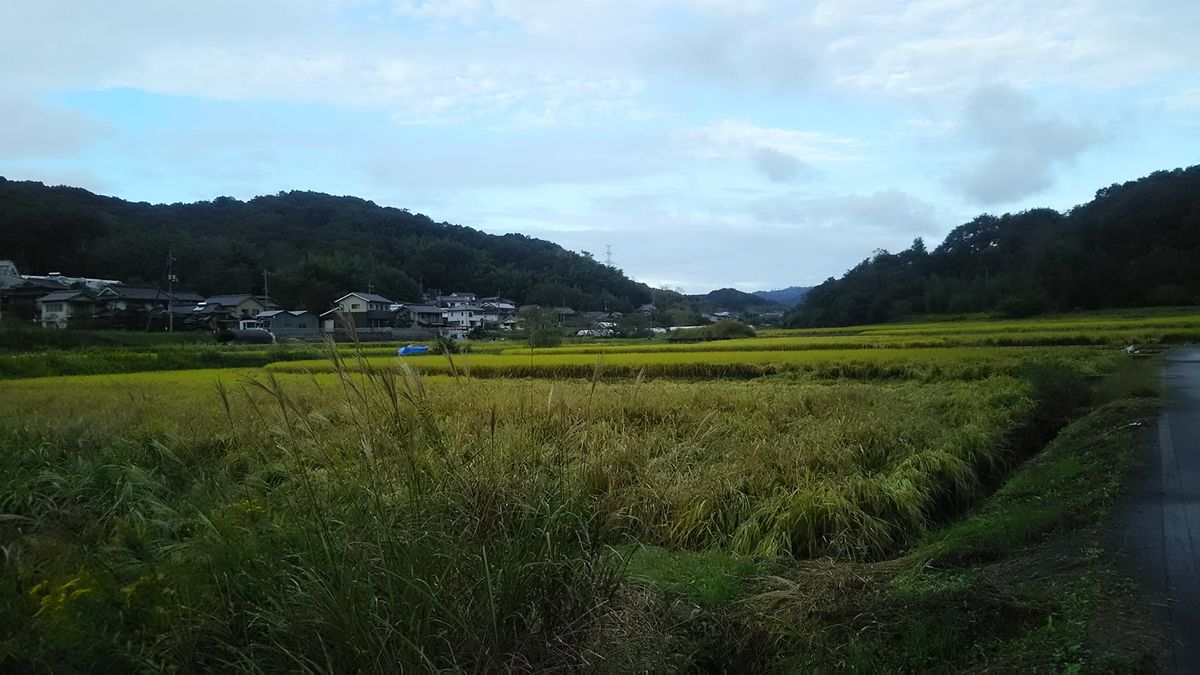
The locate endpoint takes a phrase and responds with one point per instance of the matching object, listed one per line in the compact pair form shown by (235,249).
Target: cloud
(330,52)
(939,47)
(890,210)
(538,63)
(31,129)
(779,167)
(781,155)
(678,250)
(755,52)
(1183,99)
(1022,147)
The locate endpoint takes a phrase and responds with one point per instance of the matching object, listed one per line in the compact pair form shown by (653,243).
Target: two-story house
(457,299)
(502,312)
(239,306)
(366,310)
(462,318)
(417,315)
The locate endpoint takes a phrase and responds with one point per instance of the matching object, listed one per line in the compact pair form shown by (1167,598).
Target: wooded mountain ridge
(732,299)
(315,246)
(788,297)
(1134,244)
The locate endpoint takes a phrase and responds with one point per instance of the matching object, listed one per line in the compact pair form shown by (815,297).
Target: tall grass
(673,463)
(287,535)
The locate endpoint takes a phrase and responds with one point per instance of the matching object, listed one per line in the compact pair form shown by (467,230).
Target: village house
(295,323)
(75,282)
(464,318)
(9,274)
(121,298)
(367,311)
(9,277)
(418,315)
(225,311)
(456,299)
(240,306)
(488,316)
(20,299)
(136,307)
(57,309)
(500,304)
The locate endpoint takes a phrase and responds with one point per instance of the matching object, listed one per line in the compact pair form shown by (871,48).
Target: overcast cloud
(757,143)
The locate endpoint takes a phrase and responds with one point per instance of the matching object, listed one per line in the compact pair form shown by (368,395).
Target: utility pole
(170,292)
(266,293)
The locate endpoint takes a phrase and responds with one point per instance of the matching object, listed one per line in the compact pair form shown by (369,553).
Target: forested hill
(316,247)
(732,299)
(1134,244)
(790,296)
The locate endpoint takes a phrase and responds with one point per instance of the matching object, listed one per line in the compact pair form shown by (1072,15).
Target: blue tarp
(409,350)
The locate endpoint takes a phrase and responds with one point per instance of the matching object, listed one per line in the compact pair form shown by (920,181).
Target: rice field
(924,364)
(673,463)
(358,511)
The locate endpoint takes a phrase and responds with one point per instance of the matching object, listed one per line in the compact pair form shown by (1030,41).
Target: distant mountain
(734,300)
(788,297)
(1135,244)
(315,246)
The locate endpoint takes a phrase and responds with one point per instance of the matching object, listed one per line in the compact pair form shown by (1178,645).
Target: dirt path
(1159,526)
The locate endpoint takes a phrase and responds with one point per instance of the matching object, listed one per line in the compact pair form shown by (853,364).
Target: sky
(749,143)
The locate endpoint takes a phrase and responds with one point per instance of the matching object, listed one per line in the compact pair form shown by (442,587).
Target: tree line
(1134,244)
(315,247)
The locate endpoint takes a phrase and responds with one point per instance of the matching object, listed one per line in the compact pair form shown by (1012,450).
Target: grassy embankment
(1022,583)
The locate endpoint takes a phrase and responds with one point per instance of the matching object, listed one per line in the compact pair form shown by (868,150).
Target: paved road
(1160,520)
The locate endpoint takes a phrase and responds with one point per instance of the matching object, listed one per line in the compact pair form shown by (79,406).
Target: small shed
(291,323)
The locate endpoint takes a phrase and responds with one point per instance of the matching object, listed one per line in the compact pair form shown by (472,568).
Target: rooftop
(369,297)
(228,300)
(422,309)
(140,293)
(61,296)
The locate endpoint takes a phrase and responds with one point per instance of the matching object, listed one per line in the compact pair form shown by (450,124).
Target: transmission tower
(608,255)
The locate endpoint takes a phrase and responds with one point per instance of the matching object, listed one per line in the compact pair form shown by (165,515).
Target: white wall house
(351,303)
(56,309)
(456,300)
(465,316)
(368,311)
